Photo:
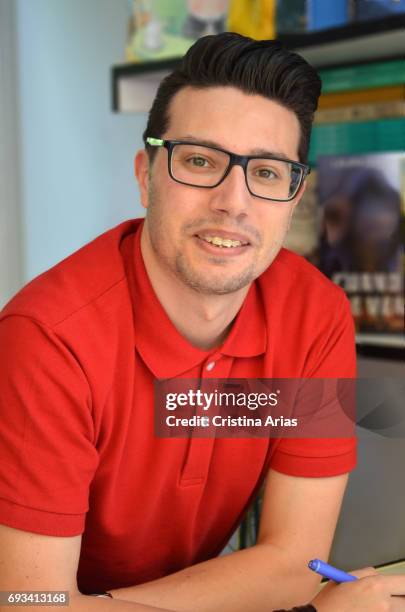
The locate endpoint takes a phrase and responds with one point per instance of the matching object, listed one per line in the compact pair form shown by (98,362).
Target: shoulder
(93,274)
(291,277)
(308,320)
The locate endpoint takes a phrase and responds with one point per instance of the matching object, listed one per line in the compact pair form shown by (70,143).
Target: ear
(142,169)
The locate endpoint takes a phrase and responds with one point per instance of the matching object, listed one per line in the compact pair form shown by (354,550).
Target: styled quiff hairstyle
(261,67)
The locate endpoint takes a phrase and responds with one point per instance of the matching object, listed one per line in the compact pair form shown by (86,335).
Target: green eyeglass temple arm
(155,142)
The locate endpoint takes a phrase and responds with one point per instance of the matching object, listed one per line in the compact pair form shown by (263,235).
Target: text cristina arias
(262,407)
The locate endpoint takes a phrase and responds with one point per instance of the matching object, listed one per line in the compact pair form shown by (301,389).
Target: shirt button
(210,366)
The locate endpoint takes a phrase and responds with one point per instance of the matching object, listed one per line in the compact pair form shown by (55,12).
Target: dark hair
(261,67)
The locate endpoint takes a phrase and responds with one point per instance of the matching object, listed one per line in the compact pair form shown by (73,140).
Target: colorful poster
(361,247)
(160,30)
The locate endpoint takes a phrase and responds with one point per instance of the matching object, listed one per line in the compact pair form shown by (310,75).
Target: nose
(231,197)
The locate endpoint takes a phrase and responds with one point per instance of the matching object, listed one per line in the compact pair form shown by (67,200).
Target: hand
(371,593)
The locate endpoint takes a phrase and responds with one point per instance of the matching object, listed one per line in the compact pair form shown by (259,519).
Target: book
(403,213)
(361,112)
(376,9)
(254,18)
(361,201)
(362,96)
(291,16)
(299,16)
(322,15)
(357,137)
(361,76)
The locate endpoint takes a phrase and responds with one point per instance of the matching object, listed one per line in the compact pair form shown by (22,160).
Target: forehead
(234,120)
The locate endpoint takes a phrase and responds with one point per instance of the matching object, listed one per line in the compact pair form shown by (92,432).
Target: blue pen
(327,571)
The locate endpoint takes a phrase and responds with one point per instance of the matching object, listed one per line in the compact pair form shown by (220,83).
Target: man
(90,499)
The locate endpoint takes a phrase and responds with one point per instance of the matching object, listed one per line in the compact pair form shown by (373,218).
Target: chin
(211,285)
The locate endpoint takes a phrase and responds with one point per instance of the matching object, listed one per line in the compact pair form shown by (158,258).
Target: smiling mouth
(222,243)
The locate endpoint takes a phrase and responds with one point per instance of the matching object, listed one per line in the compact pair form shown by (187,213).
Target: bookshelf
(133,85)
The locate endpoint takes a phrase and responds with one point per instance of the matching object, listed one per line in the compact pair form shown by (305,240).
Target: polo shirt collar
(163,349)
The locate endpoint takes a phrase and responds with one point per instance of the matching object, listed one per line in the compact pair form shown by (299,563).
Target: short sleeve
(332,355)
(47,452)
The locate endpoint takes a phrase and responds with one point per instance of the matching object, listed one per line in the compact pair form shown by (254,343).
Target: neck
(204,320)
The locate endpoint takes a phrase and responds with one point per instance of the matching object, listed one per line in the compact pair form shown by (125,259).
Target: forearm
(85,603)
(257,579)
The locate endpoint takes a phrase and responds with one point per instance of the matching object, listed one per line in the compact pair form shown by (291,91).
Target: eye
(198,162)
(266,173)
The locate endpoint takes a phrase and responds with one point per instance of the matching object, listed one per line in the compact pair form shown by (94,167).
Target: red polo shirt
(80,347)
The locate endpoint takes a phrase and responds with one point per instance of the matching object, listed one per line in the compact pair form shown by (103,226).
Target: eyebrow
(255,151)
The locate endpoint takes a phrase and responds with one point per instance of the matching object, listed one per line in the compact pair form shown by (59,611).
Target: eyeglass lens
(202,166)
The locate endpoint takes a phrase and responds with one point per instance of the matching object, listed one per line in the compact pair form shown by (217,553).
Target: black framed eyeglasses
(266,176)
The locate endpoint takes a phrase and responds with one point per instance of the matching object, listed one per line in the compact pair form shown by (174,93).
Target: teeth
(222,242)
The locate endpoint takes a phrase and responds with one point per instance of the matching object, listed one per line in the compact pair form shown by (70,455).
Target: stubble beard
(206,283)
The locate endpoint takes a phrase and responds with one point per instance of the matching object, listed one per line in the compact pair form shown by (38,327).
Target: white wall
(76,155)
(10,220)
